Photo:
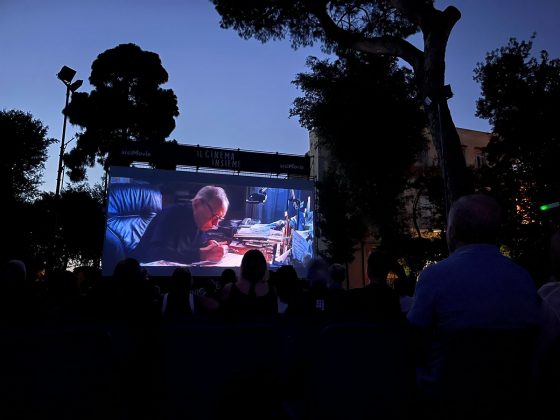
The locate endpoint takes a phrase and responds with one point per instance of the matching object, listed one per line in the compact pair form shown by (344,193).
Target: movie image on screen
(206,221)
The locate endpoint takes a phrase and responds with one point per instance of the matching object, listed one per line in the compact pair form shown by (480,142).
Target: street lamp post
(66,74)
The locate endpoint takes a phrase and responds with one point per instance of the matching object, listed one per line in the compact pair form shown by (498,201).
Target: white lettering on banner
(291,166)
(135,153)
(219,158)
(222,163)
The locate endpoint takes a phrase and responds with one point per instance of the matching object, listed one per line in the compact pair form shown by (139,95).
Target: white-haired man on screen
(177,233)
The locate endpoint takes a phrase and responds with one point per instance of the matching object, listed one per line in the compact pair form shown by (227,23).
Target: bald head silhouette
(473,219)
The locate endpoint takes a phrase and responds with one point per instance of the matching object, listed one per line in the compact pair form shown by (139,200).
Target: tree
(22,161)
(69,228)
(521,99)
(353,99)
(340,224)
(426,188)
(126,104)
(372,27)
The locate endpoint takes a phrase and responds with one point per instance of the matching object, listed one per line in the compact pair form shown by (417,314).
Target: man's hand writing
(214,251)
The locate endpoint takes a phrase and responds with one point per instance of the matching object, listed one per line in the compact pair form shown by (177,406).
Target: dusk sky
(232,92)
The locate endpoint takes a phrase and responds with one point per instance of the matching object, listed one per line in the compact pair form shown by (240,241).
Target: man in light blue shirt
(476,287)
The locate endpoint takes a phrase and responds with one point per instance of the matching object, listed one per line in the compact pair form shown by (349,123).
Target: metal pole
(62,145)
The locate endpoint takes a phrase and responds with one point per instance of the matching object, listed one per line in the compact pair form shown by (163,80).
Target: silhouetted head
(62,283)
(337,275)
(181,281)
(318,273)
(286,272)
(287,283)
(128,271)
(13,276)
(210,205)
(473,219)
(36,269)
(378,266)
(127,268)
(228,276)
(253,266)
(404,285)
(87,276)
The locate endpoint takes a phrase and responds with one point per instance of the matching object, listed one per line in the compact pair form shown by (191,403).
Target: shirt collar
(476,248)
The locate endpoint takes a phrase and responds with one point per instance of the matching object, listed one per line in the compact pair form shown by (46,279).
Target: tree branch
(450,16)
(388,45)
(427,16)
(417,11)
(393,46)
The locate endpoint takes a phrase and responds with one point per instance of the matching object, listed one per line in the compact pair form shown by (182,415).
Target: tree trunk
(431,79)
(429,71)
(450,154)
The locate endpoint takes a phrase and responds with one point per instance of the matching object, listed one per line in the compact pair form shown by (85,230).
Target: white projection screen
(151,217)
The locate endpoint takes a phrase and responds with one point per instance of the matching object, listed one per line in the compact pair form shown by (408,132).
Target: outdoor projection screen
(272,215)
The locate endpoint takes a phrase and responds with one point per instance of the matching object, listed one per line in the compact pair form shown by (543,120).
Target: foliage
(356,105)
(276,19)
(521,99)
(23,157)
(425,191)
(417,253)
(126,104)
(68,229)
(340,223)
(377,27)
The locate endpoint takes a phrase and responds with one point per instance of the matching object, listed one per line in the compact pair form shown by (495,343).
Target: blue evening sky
(232,92)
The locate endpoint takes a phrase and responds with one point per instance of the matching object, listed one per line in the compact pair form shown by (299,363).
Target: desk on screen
(230,260)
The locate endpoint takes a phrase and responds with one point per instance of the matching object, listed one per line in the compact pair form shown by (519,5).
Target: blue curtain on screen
(276,204)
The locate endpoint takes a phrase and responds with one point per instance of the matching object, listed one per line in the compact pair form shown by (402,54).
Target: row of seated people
(64,295)
(197,366)
(130,291)
(473,344)
(112,333)
(287,295)
(212,369)
(486,343)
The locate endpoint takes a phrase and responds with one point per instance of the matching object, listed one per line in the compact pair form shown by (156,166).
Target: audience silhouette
(251,294)
(474,314)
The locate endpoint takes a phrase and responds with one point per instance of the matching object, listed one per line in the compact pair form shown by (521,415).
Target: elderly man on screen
(178,233)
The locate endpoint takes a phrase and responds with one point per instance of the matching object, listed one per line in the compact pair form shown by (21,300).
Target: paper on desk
(254,231)
(300,246)
(163,263)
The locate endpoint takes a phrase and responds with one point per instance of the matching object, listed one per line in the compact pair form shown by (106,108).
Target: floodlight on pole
(65,75)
